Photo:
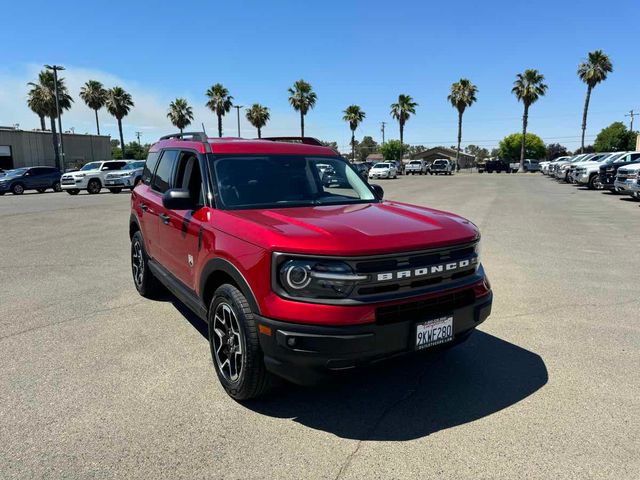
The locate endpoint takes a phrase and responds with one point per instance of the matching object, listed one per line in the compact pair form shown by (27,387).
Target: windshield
(414,163)
(279,181)
(91,166)
(133,165)
(382,165)
(16,173)
(440,162)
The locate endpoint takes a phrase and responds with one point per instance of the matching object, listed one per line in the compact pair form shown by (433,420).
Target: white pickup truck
(91,177)
(529,166)
(419,167)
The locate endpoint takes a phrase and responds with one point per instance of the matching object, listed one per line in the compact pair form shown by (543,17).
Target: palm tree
(302,98)
(592,72)
(180,113)
(258,116)
(463,95)
(220,102)
(94,95)
(37,102)
(527,88)
(42,95)
(354,115)
(401,111)
(119,103)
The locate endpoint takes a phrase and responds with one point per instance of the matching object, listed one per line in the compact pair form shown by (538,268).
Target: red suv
(297,277)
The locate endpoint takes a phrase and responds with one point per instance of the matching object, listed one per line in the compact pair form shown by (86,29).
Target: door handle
(144,207)
(165,218)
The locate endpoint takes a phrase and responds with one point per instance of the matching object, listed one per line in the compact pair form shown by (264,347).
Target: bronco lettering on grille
(427,271)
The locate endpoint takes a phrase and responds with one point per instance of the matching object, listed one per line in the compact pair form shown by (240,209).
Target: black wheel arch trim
(222,265)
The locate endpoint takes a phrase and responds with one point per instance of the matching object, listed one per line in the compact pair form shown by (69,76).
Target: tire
(41,190)
(232,327)
(56,187)
(594,182)
(73,192)
(17,189)
(115,190)
(94,187)
(2,193)
(147,285)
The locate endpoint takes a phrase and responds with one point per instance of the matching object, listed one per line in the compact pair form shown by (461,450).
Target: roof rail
(195,136)
(305,140)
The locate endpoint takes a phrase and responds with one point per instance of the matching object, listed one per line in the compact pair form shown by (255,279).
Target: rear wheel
(17,189)
(57,187)
(235,348)
(94,187)
(115,190)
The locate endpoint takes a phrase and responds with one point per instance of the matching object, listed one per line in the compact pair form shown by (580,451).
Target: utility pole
(238,107)
(138,135)
(631,114)
(382,129)
(55,69)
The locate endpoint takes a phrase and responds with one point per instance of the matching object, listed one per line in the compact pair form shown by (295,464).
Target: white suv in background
(91,177)
(384,170)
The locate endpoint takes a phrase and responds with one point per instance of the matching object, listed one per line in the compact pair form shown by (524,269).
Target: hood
(350,230)
(630,167)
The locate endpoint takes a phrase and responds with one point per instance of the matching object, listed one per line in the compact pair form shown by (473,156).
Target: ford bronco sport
(296,278)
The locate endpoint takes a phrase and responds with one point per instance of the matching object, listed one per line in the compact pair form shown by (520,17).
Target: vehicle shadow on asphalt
(410,397)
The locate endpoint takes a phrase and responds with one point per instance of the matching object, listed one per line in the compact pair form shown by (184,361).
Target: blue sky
(351,52)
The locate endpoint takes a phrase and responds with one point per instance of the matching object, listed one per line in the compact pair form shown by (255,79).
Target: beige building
(26,148)
(466,160)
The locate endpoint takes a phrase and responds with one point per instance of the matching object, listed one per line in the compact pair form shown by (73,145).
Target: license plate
(434,332)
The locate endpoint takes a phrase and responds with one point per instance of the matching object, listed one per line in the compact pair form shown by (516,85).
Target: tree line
(528,88)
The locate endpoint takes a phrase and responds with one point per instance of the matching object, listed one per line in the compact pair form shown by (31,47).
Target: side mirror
(178,199)
(378,191)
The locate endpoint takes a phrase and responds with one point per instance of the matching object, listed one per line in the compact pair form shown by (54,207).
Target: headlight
(80,175)
(315,278)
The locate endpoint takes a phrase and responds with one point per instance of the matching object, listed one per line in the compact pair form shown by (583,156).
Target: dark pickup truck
(497,166)
(609,170)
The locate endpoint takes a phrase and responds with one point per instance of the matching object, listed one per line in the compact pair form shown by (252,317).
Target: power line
(631,114)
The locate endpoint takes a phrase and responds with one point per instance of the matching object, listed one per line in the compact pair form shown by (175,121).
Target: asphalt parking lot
(97,382)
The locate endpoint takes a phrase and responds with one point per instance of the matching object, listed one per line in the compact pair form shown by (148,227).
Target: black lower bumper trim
(306,354)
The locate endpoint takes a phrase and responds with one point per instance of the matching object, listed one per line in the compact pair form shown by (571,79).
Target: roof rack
(191,136)
(195,136)
(304,140)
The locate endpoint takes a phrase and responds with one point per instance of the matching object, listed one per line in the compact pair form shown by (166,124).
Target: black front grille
(415,311)
(373,266)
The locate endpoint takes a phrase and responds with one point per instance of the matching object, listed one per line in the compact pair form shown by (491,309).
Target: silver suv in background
(127,177)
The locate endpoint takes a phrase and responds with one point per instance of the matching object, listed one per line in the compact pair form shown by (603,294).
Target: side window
(188,176)
(634,156)
(149,167)
(162,179)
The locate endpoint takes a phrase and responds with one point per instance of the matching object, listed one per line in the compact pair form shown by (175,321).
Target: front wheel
(146,284)
(57,187)
(17,189)
(235,348)
(594,182)
(94,187)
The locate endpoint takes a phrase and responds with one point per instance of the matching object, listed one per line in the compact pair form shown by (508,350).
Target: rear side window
(149,167)
(162,179)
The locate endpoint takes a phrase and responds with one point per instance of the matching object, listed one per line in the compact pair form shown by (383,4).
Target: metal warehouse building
(22,148)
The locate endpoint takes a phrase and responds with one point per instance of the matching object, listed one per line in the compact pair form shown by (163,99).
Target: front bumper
(73,184)
(379,175)
(307,354)
(118,182)
(626,186)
